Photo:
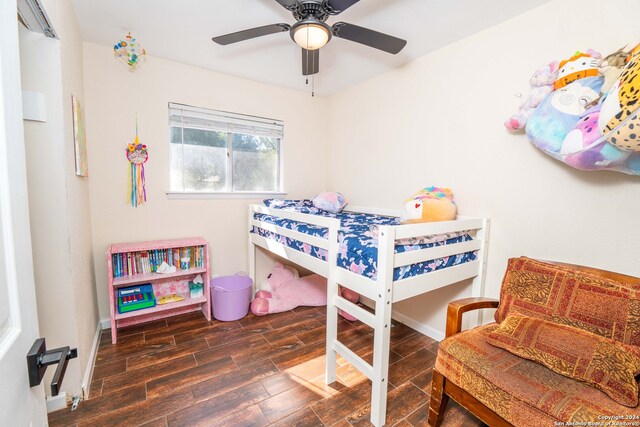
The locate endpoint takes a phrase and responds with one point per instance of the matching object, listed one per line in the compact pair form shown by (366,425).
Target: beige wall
(77,188)
(114,96)
(438,121)
(58,200)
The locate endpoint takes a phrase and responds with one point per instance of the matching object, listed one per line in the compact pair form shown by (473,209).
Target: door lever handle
(39,358)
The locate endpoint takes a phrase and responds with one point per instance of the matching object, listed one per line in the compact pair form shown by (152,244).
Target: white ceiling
(181,30)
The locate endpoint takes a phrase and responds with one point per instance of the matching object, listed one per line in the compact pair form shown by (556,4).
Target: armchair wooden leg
(439,399)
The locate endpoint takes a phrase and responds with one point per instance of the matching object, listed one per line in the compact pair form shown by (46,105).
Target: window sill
(190,195)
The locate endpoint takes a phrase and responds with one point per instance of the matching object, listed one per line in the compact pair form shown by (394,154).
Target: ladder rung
(354,359)
(359,313)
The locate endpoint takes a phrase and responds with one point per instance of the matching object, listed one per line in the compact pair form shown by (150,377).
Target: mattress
(358,240)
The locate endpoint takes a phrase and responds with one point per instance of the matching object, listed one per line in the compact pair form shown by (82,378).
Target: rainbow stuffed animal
(429,205)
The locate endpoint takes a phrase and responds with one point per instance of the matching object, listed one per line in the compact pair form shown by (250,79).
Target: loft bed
(369,252)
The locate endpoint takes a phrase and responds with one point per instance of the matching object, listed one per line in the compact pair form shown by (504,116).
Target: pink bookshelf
(163,284)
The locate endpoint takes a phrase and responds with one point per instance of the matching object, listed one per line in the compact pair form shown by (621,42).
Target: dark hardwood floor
(258,371)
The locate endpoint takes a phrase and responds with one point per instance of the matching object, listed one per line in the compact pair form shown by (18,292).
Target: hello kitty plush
(579,66)
(285,290)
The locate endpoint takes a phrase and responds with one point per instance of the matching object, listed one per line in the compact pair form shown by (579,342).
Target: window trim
(229,193)
(191,195)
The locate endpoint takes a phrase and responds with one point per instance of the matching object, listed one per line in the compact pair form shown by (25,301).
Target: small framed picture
(79,137)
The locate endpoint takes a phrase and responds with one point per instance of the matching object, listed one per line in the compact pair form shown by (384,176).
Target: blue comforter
(358,238)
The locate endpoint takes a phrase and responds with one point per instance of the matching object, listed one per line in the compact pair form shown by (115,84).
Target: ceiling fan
(311,32)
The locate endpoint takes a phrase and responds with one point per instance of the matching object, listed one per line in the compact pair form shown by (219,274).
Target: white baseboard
(105,323)
(420,327)
(56,403)
(88,373)
(412,323)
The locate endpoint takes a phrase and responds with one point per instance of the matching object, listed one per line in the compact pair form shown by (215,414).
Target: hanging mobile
(137,155)
(129,52)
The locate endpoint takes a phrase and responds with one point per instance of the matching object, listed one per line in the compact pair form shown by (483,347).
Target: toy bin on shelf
(231,297)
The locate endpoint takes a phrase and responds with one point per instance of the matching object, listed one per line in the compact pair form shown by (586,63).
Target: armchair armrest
(457,308)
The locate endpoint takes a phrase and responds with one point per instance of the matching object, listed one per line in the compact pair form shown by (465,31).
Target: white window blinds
(193,117)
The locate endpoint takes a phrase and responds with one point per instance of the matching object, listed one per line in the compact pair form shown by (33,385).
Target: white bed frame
(384,291)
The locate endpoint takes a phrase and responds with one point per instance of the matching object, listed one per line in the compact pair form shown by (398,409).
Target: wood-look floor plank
(142,412)
(276,384)
(140,376)
(303,418)
(455,416)
(124,350)
(299,355)
(268,351)
(142,327)
(401,402)
(332,409)
(293,318)
(91,408)
(154,357)
(109,369)
(95,389)
(158,422)
(423,380)
(206,413)
(105,338)
(248,345)
(291,330)
(400,331)
(183,318)
(221,336)
(412,365)
(288,402)
(186,378)
(420,416)
(248,417)
(235,378)
(319,334)
(413,343)
(173,328)
(221,328)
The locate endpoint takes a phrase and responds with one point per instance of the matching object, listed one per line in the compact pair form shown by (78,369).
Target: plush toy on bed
(429,205)
(285,290)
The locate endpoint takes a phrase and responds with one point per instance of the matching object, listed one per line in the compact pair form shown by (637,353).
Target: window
(220,152)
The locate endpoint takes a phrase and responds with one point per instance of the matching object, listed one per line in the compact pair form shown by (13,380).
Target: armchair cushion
(608,365)
(571,297)
(524,393)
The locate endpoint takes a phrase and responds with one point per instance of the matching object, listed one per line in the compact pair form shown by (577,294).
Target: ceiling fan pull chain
(313,76)
(306,52)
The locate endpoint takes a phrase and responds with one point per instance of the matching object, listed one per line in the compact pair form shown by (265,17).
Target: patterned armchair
(565,348)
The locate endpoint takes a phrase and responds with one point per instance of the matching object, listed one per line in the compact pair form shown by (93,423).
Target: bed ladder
(380,321)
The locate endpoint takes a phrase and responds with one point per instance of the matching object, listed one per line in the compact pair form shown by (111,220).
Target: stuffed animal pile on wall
(589,119)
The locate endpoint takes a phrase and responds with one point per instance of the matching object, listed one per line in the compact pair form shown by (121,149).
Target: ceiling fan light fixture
(311,34)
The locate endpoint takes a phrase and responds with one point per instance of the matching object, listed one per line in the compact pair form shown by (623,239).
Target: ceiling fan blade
(368,37)
(338,6)
(310,61)
(288,4)
(251,33)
